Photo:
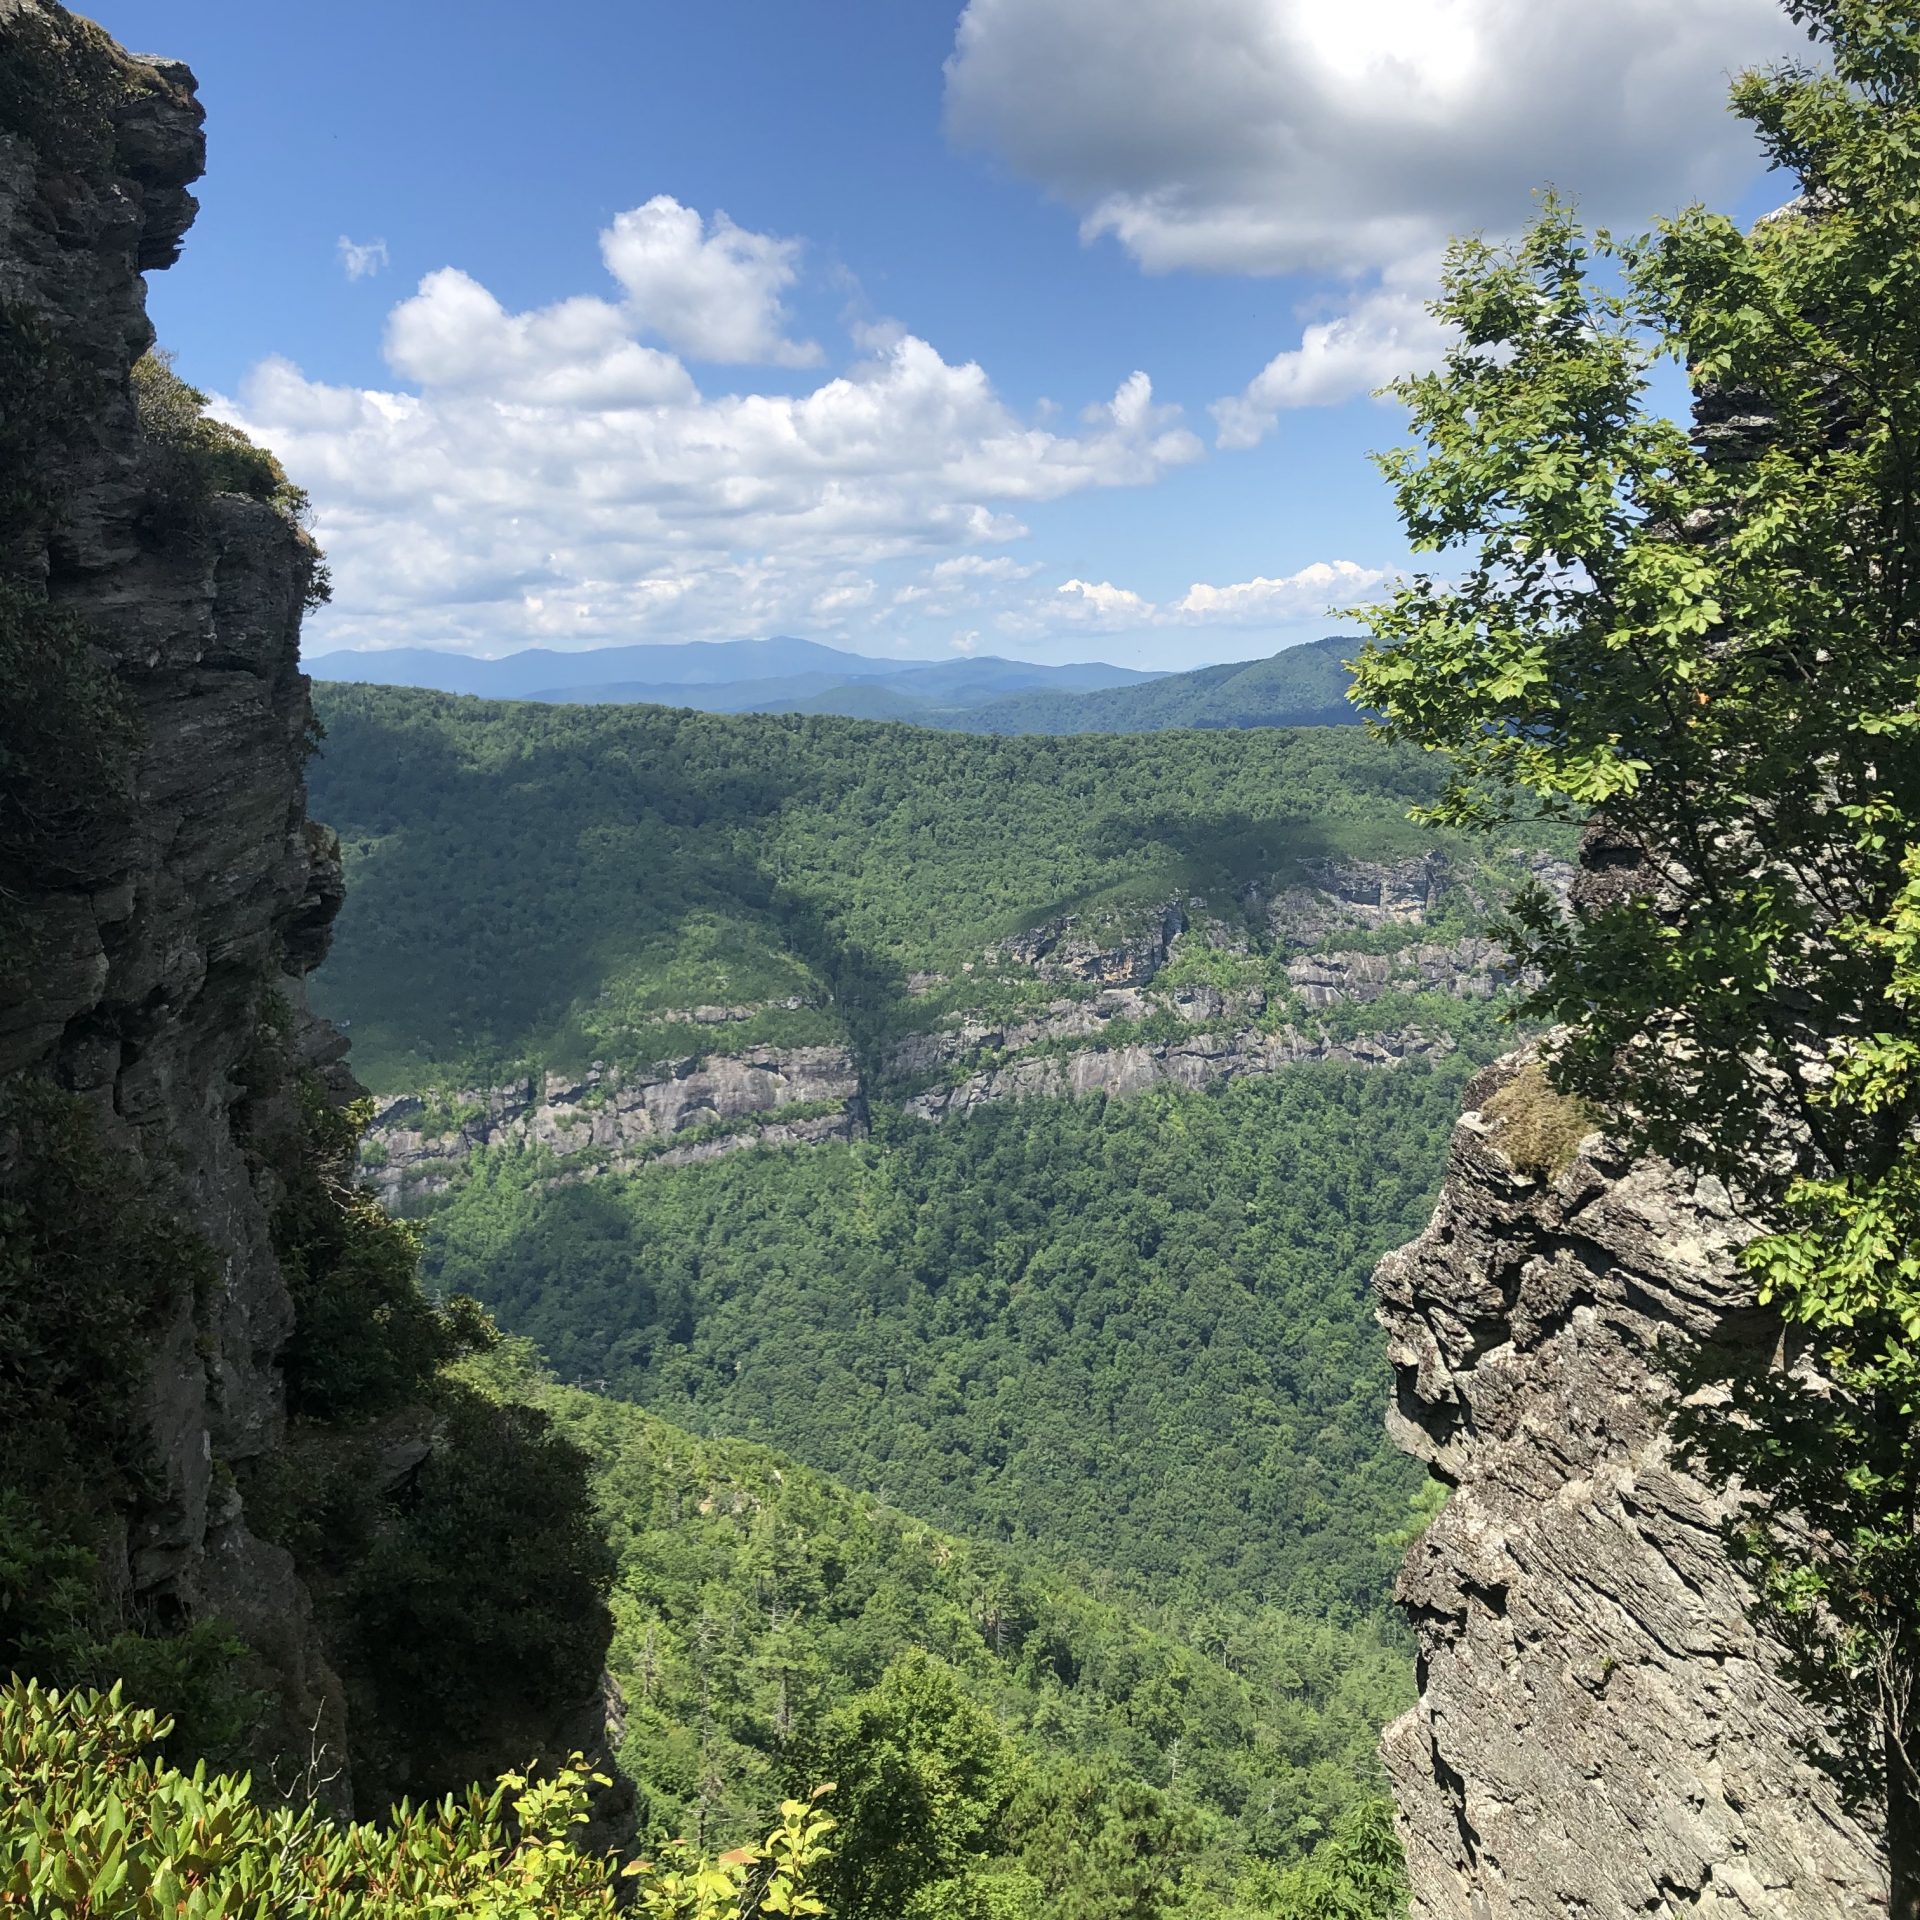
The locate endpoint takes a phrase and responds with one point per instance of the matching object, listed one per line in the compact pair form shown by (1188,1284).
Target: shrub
(90,1827)
(190,458)
(1541,1128)
(366,1340)
(479,1605)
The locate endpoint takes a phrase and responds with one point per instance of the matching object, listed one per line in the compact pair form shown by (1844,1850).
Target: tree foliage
(1164,1298)
(1003,1727)
(536,884)
(1714,641)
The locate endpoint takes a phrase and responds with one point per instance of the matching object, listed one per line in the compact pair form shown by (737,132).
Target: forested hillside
(1000,1729)
(1304,686)
(1300,686)
(1002,1126)
(554,885)
(1161,1299)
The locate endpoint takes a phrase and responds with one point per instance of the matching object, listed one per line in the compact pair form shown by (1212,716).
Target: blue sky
(896,404)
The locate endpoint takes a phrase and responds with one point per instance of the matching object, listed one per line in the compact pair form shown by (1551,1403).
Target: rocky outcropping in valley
(1208,1056)
(1600,1731)
(1344,936)
(610,1121)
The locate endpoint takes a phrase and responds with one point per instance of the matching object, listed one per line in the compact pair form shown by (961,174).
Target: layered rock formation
(162,892)
(201,887)
(692,1109)
(1210,1055)
(1599,1731)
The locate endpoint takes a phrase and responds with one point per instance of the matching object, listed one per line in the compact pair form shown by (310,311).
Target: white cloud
(361,260)
(1385,333)
(1269,136)
(1262,602)
(848,595)
(545,475)
(978,566)
(454,335)
(1315,588)
(1111,605)
(711,290)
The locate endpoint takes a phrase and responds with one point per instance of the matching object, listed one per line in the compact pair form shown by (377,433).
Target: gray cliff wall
(1599,1730)
(150,957)
(161,904)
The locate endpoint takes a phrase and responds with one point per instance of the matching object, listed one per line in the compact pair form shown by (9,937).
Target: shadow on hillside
(510,868)
(1225,854)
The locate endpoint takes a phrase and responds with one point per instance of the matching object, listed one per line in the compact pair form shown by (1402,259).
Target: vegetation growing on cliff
(94,1259)
(448,1537)
(1715,641)
(189,458)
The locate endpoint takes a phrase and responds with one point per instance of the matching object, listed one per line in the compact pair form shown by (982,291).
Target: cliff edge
(1599,1731)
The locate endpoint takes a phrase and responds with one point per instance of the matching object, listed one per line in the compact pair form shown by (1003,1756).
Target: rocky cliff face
(610,1121)
(200,887)
(1599,1730)
(162,893)
(1114,1015)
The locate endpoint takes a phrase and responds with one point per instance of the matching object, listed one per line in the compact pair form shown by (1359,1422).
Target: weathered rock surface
(145,968)
(1202,1059)
(1060,950)
(1081,1043)
(692,1110)
(1600,1731)
(149,974)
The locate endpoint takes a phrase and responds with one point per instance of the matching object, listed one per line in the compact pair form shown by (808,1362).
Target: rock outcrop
(1115,1029)
(200,888)
(1600,1731)
(693,1109)
(1207,1057)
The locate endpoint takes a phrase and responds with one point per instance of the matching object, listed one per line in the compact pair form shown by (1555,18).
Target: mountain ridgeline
(1302,686)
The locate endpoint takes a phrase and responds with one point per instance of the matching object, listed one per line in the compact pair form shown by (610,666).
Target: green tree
(924,1779)
(92,1827)
(1710,642)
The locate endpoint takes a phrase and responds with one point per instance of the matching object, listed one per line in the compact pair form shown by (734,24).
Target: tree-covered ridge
(1095,1755)
(550,885)
(1131,1332)
(1303,686)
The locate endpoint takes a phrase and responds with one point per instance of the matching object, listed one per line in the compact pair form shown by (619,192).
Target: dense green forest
(539,883)
(1109,1518)
(1095,1755)
(1135,1332)
(1304,686)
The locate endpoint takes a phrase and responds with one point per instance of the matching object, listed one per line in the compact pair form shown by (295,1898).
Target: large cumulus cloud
(1273,136)
(548,475)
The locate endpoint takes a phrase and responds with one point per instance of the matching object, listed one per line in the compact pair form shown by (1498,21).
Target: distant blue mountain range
(1301,686)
